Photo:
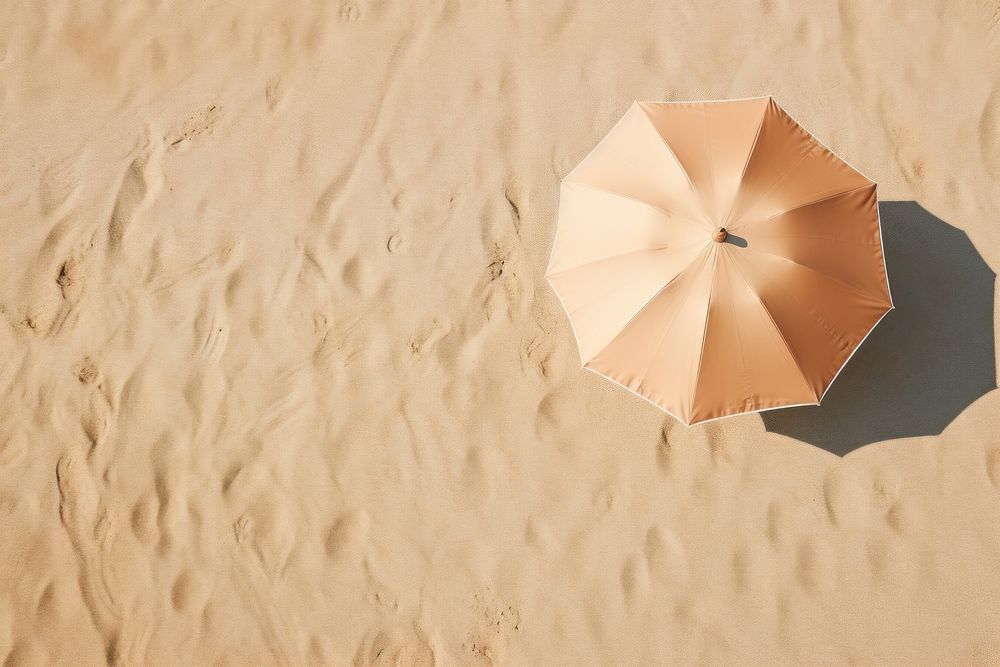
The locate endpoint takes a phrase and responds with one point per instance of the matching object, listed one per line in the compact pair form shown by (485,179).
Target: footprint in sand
(89,527)
(889,560)
(504,286)
(888,486)
(57,279)
(25,654)
(274,93)
(189,592)
(666,557)
(359,274)
(79,500)
(212,329)
(72,272)
(813,569)
(781,522)
(96,420)
(533,356)
(993,466)
(429,335)
(349,12)
(494,622)
(848,504)
(143,520)
(558,413)
(989,131)
(13,451)
(904,518)
(539,352)
(515,210)
(397,244)
(271,533)
(60,183)
(87,372)
(635,580)
(347,535)
(56,603)
(160,277)
(197,125)
(665,454)
(396,646)
(140,185)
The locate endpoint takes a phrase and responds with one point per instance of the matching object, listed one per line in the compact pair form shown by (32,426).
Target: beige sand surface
(282,381)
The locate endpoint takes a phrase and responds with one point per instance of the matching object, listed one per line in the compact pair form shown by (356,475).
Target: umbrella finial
(720,235)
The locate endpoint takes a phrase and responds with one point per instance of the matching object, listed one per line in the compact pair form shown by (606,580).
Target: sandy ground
(283,383)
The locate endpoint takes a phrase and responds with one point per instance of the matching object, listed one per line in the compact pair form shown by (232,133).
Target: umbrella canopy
(716,259)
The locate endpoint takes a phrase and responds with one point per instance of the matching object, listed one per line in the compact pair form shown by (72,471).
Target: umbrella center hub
(720,235)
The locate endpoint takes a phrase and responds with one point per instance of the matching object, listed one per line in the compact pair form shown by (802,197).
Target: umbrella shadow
(927,360)
(735,240)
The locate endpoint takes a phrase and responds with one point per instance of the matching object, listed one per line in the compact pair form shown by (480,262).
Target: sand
(283,382)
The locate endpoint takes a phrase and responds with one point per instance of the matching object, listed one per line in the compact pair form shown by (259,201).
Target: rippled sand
(282,381)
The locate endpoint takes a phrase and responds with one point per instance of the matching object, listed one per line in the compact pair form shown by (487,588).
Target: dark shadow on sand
(927,360)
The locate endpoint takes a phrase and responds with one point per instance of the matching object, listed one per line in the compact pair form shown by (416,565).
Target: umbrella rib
(704,328)
(607,257)
(807,204)
(746,163)
(707,138)
(673,280)
(828,239)
(780,177)
(781,334)
(747,384)
(663,141)
(618,286)
(597,188)
(837,331)
(601,295)
(659,248)
(849,286)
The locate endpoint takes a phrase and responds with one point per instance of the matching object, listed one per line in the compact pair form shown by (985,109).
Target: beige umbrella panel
(707,323)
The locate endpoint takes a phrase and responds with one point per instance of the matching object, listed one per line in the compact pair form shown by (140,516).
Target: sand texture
(283,383)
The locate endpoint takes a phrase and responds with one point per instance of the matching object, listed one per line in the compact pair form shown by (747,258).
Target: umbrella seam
(639,312)
(631,319)
(838,281)
(819,319)
(816,145)
(607,257)
(593,150)
(781,335)
(739,341)
(601,295)
(829,239)
(746,162)
(694,190)
(687,297)
(704,329)
(612,193)
(711,155)
(609,291)
(823,199)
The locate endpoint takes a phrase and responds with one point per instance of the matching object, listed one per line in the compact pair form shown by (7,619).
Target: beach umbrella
(716,259)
